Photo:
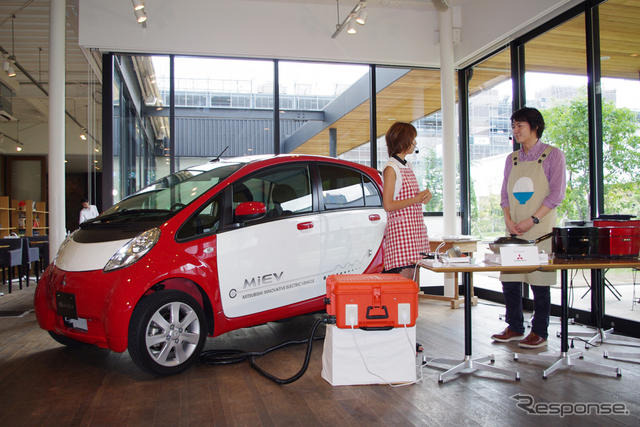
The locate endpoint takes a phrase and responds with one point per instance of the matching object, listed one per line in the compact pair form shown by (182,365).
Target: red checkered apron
(406,235)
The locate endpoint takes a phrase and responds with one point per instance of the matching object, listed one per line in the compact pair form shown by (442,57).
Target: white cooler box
(390,356)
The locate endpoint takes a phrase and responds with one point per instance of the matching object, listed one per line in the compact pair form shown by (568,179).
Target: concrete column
(449,147)
(57,228)
(333,142)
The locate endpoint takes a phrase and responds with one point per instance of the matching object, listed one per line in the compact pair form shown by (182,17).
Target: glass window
(284,190)
(412,95)
(490,103)
(140,123)
(620,62)
(206,221)
(224,103)
(341,187)
(306,89)
(371,194)
(489,141)
(558,88)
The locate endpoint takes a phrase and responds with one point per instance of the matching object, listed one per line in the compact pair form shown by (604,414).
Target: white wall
(399,33)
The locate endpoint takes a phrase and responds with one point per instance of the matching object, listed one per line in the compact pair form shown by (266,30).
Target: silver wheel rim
(172,334)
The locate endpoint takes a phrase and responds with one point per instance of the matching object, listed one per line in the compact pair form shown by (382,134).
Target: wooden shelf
(23,219)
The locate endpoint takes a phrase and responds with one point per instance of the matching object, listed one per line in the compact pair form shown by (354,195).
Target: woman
(533,186)
(406,235)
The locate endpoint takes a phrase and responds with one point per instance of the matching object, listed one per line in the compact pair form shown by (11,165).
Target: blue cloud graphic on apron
(523,189)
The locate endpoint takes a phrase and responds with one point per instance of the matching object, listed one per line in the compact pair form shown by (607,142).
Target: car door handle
(305,225)
(374,217)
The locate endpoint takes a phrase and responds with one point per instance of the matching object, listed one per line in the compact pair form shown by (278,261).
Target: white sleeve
(398,185)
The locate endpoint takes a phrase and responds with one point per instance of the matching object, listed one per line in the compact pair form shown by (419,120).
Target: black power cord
(227,357)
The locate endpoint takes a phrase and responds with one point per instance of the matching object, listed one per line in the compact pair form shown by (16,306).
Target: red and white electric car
(226,245)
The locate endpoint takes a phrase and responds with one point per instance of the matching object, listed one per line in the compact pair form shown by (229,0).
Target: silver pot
(516,241)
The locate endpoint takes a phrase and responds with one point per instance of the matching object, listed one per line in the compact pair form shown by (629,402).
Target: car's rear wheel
(166,332)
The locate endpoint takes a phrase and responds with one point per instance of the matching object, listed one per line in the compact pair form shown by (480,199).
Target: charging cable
(227,357)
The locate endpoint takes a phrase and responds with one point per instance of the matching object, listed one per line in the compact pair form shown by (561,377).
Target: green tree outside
(567,128)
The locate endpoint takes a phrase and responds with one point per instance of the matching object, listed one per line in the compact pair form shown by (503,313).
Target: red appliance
(619,235)
(619,241)
(372,301)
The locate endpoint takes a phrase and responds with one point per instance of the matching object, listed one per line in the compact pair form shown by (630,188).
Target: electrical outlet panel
(351,314)
(404,314)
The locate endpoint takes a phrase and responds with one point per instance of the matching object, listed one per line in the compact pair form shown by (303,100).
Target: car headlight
(64,243)
(133,250)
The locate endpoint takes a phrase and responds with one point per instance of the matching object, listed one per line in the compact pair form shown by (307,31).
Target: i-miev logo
(527,403)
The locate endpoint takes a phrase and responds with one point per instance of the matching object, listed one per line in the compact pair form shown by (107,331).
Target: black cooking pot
(513,240)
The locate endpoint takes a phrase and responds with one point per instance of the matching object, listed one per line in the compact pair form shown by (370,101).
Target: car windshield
(173,192)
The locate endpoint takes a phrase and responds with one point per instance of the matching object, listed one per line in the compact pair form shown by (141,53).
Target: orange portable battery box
(372,301)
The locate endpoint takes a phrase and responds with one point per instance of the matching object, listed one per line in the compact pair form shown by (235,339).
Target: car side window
(371,192)
(341,187)
(284,190)
(206,221)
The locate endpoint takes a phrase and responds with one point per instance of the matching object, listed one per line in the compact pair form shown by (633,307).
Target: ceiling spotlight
(8,68)
(18,148)
(362,16)
(137,4)
(351,29)
(83,136)
(141,16)
(357,14)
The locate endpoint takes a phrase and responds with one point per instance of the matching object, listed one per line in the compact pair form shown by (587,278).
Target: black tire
(162,345)
(69,342)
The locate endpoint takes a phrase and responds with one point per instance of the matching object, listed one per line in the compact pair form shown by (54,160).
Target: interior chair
(42,243)
(11,257)
(30,255)
(281,193)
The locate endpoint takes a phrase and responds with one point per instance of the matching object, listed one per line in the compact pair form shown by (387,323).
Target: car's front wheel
(166,332)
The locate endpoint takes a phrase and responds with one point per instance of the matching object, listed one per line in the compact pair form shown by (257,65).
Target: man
(88,211)
(534,185)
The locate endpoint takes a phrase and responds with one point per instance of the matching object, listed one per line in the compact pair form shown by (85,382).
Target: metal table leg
(469,365)
(566,359)
(627,357)
(599,335)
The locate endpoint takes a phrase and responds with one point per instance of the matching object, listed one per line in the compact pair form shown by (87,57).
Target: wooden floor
(44,383)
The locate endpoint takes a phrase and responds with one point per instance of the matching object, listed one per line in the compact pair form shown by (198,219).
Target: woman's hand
(423,196)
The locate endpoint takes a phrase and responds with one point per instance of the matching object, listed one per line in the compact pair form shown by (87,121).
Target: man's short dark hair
(531,116)
(84,200)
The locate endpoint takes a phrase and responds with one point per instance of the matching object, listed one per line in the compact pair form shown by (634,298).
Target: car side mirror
(249,211)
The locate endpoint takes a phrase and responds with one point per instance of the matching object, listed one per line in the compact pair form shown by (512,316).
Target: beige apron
(527,187)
